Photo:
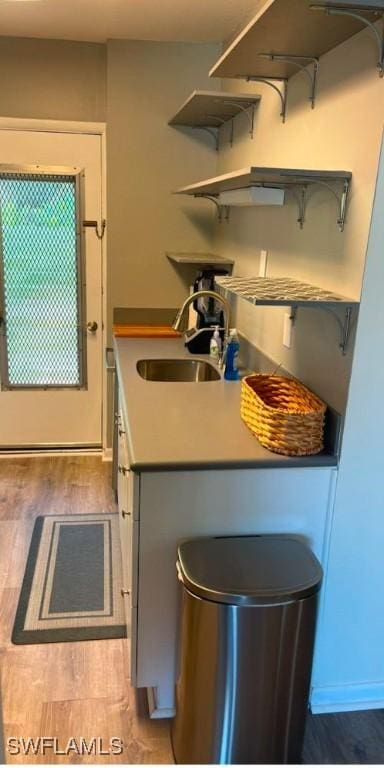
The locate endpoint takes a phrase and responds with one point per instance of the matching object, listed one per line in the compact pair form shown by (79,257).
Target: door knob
(92,326)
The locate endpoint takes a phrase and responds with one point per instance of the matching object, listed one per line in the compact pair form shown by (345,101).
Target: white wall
(342,132)
(147,159)
(349,672)
(146,84)
(53,79)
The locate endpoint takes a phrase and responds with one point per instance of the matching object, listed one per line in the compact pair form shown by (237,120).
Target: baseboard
(347,698)
(107,454)
(156,712)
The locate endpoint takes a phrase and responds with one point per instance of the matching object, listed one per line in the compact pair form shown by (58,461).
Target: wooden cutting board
(125,330)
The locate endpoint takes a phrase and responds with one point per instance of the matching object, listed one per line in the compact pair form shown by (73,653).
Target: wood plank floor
(64,689)
(81,689)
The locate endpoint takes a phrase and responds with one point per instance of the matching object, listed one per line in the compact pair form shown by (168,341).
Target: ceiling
(100,20)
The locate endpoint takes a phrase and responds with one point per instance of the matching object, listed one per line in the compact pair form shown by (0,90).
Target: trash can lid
(249,570)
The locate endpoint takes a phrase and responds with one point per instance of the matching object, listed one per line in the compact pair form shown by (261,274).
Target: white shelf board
(282,291)
(212,108)
(254,176)
(199,258)
(288,27)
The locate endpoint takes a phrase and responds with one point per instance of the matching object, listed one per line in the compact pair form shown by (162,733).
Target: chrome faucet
(180,323)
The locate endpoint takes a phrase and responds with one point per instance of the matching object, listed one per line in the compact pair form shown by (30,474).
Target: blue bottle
(231,371)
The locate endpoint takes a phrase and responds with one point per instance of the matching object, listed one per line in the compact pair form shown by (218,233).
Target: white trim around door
(77,127)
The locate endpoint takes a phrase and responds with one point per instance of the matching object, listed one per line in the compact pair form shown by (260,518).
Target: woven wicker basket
(283,414)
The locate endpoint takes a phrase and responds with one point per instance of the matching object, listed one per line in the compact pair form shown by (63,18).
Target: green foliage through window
(39,252)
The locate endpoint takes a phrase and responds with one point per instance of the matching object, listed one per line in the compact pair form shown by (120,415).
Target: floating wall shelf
(281,291)
(209,110)
(295,180)
(280,41)
(200,259)
(285,291)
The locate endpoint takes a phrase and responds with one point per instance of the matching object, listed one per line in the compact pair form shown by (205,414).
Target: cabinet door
(175,506)
(128,506)
(124,494)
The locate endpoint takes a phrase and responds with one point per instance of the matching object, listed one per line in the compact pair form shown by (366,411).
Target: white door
(50,290)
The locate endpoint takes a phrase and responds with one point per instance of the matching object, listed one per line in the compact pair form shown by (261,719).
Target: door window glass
(41,292)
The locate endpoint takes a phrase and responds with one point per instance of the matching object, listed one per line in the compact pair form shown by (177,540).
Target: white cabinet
(158,510)
(127,495)
(175,506)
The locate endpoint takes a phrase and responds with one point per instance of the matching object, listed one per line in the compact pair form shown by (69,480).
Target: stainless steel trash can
(247,632)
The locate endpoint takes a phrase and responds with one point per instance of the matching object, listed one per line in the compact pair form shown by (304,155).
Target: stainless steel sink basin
(177,370)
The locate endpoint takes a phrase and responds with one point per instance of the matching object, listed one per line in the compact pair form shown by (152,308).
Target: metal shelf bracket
(300,190)
(356,12)
(231,134)
(250,113)
(298,61)
(346,330)
(301,195)
(301,198)
(341,199)
(214,133)
(345,325)
(283,93)
(223,211)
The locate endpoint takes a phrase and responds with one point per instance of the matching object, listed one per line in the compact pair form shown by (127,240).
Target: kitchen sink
(177,370)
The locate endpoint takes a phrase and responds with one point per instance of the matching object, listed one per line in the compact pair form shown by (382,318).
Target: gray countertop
(178,426)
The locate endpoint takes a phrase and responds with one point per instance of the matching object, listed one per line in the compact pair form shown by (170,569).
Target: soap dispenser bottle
(231,371)
(215,345)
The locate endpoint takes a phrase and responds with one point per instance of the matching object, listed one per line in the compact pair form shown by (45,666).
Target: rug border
(21,636)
